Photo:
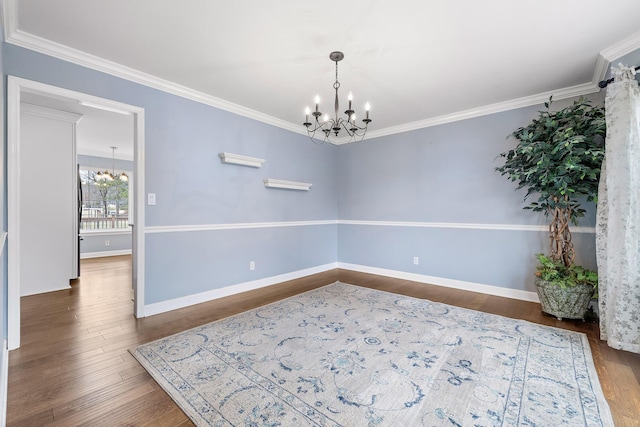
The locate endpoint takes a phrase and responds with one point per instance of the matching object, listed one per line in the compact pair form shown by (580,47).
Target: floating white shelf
(237,159)
(290,185)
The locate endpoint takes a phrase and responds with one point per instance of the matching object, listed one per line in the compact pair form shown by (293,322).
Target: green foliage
(559,154)
(556,272)
(558,159)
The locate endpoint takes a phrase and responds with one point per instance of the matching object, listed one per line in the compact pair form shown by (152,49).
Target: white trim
(499,107)
(174,304)
(237,159)
(13,213)
(3,241)
(14,86)
(102,254)
(447,283)
(50,113)
(622,48)
(189,300)
(104,108)
(66,53)
(289,185)
(10,17)
(20,38)
(75,262)
(4,381)
(236,226)
(602,67)
(138,237)
(471,226)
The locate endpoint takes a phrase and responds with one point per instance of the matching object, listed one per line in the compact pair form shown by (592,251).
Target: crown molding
(57,50)
(569,92)
(601,70)
(622,48)
(50,113)
(9,17)
(28,41)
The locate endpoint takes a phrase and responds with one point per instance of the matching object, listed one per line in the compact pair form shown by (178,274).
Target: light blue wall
(183,139)
(218,258)
(441,174)
(444,174)
(194,187)
(94,243)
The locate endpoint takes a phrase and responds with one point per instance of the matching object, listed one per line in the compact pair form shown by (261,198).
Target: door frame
(15,86)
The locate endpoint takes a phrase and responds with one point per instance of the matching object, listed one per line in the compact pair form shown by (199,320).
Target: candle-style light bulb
(317,101)
(367,107)
(306,113)
(350,98)
(326,118)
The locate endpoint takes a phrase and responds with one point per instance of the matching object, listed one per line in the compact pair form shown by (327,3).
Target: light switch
(151,198)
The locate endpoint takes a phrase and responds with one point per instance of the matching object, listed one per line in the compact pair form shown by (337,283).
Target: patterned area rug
(344,355)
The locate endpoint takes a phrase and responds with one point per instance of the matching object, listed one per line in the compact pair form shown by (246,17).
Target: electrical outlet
(252,265)
(416,260)
(106,243)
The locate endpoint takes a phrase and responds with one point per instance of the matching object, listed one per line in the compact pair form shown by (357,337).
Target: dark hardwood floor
(73,367)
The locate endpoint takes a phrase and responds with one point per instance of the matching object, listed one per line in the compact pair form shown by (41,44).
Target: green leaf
(558,154)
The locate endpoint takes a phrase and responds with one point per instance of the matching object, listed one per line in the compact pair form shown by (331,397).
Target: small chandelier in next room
(110,176)
(332,126)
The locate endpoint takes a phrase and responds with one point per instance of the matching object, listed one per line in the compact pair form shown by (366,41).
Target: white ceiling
(97,131)
(418,62)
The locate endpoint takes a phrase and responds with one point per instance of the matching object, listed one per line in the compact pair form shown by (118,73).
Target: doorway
(19,89)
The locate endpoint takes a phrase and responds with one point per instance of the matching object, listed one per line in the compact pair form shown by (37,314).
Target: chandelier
(334,125)
(110,176)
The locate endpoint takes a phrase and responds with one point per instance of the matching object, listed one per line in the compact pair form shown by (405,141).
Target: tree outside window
(105,203)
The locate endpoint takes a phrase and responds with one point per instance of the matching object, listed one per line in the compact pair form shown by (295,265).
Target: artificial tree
(558,159)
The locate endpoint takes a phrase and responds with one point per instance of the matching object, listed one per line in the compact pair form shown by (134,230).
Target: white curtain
(618,216)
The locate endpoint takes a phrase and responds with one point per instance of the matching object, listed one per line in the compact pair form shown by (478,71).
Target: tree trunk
(560,235)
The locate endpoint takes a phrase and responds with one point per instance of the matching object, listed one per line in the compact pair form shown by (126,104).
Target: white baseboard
(174,304)
(4,377)
(101,254)
(448,283)
(45,291)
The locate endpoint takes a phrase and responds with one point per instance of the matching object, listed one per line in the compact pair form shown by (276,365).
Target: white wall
(48,221)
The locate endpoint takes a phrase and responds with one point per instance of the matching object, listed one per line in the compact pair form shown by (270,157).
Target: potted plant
(558,159)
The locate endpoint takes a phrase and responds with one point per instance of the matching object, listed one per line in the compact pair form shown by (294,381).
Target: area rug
(344,355)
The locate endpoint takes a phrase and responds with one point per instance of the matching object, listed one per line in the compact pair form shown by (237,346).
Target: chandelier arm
(326,127)
(354,130)
(349,131)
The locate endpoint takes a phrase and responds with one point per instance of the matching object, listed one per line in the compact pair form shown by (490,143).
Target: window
(105,202)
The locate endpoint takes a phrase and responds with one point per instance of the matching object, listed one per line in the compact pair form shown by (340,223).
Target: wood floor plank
(173,417)
(99,403)
(74,367)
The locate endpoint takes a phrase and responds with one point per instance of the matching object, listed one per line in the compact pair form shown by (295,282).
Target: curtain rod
(604,83)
